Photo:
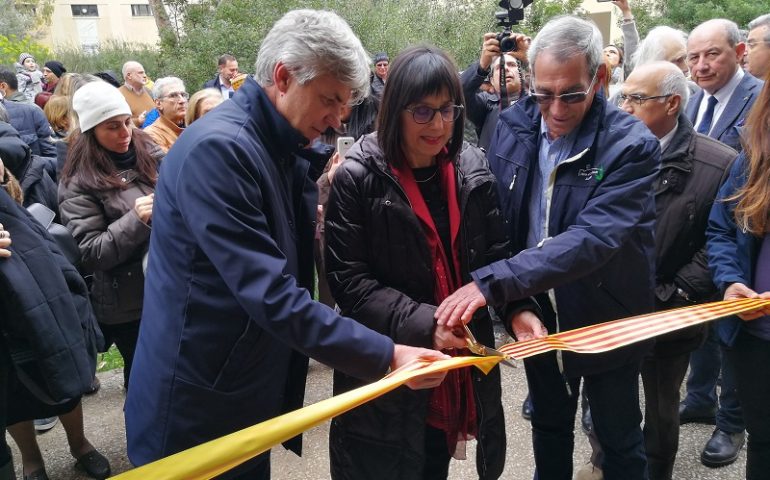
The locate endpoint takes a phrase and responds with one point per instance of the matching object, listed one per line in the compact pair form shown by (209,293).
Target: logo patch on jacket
(591,172)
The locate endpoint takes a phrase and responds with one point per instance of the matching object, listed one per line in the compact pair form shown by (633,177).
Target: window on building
(85,11)
(141,10)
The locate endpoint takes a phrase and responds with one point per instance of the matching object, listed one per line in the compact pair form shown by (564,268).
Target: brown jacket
(112,241)
(164,132)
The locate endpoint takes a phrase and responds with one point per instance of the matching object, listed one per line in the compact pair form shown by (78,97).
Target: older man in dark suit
(714,51)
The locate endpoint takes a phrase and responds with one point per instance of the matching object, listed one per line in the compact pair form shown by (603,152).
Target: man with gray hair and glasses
(575,177)
(758,47)
(692,169)
(229,321)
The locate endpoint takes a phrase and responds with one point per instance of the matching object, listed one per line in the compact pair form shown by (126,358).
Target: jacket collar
(271,124)
(470,162)
(677,153)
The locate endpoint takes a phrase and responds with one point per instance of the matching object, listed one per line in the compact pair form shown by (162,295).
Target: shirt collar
(665,140)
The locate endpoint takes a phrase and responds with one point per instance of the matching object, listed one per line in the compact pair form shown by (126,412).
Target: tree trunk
(165,30)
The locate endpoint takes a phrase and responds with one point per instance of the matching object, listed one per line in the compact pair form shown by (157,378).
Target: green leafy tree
(11,46)
(687,14)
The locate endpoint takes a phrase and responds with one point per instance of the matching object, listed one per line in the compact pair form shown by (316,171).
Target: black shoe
(722,449)
(526,408)
(688,414)
(94,464)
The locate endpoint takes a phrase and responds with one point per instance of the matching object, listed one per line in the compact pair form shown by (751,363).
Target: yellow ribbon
(217,456)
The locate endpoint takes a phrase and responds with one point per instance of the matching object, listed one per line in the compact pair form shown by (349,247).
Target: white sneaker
(589,471)
(45,424)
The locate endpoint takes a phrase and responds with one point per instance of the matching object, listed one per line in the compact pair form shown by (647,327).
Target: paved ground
(105,428)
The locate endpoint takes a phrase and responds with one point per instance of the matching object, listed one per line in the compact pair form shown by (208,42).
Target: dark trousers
(124,336)
(705,366)
(662,377)
(437,455)
(614,399)
(749,359)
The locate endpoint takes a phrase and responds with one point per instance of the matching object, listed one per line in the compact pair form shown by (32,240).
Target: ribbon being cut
(218,456)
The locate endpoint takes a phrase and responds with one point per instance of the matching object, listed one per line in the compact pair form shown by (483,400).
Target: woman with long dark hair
(412,211)
(105,200)
(739,255)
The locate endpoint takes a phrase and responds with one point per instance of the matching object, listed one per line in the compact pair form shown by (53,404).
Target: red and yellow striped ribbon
(620,333)
(218,456)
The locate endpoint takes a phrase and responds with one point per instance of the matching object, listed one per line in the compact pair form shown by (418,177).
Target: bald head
(714,52)
(656,93)
(133,74)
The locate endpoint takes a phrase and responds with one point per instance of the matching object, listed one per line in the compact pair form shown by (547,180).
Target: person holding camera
(484,108)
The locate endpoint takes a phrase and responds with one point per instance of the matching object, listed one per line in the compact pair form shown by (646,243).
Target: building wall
(606,16)
(114,22)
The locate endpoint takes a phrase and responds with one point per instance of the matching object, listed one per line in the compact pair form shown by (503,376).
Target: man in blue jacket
(575,176)
(227,319)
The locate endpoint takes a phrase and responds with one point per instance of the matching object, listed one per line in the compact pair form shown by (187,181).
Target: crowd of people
(554,186)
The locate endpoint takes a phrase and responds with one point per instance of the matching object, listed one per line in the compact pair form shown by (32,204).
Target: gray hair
(566,37)
(761,21)
(311,43)
(162,85)
(652,48)
(128,66)
(730,29)
(675,83)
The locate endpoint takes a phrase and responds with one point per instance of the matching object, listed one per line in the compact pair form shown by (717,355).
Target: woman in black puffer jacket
(411,213)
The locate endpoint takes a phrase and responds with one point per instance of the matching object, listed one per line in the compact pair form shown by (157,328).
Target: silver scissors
(482,350)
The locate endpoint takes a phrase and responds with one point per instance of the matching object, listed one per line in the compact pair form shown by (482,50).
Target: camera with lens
(512,14)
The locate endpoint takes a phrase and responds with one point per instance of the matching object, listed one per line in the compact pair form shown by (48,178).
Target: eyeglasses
(425,114)
(639,99)
(570,98)
(176,95)
(751,44)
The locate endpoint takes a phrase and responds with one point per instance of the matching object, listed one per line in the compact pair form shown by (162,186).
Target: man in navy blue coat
(228,319)
(714,51)
(575,176)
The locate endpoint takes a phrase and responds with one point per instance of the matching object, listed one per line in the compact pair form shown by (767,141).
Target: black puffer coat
(380,273)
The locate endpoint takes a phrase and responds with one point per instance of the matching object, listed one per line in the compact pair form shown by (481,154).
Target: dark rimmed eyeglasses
(425,114)
(571,98)
(640,99)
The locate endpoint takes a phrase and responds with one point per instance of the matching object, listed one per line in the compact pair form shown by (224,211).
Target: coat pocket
(117,292)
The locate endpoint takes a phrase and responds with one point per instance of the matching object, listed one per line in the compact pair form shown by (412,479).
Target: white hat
(96,102)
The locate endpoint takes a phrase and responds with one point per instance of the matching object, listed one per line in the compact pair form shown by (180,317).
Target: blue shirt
(551,153)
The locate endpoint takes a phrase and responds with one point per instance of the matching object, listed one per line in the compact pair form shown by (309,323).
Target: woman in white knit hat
(105,200)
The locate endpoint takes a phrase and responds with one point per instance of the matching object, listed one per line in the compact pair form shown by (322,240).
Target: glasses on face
(752,44)
(177,95)
(425,114)
(640,99)
(574,97)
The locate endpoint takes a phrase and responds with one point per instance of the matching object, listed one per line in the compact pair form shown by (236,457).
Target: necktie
(708,116)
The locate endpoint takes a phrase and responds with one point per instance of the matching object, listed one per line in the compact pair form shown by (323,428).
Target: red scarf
(452,407)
